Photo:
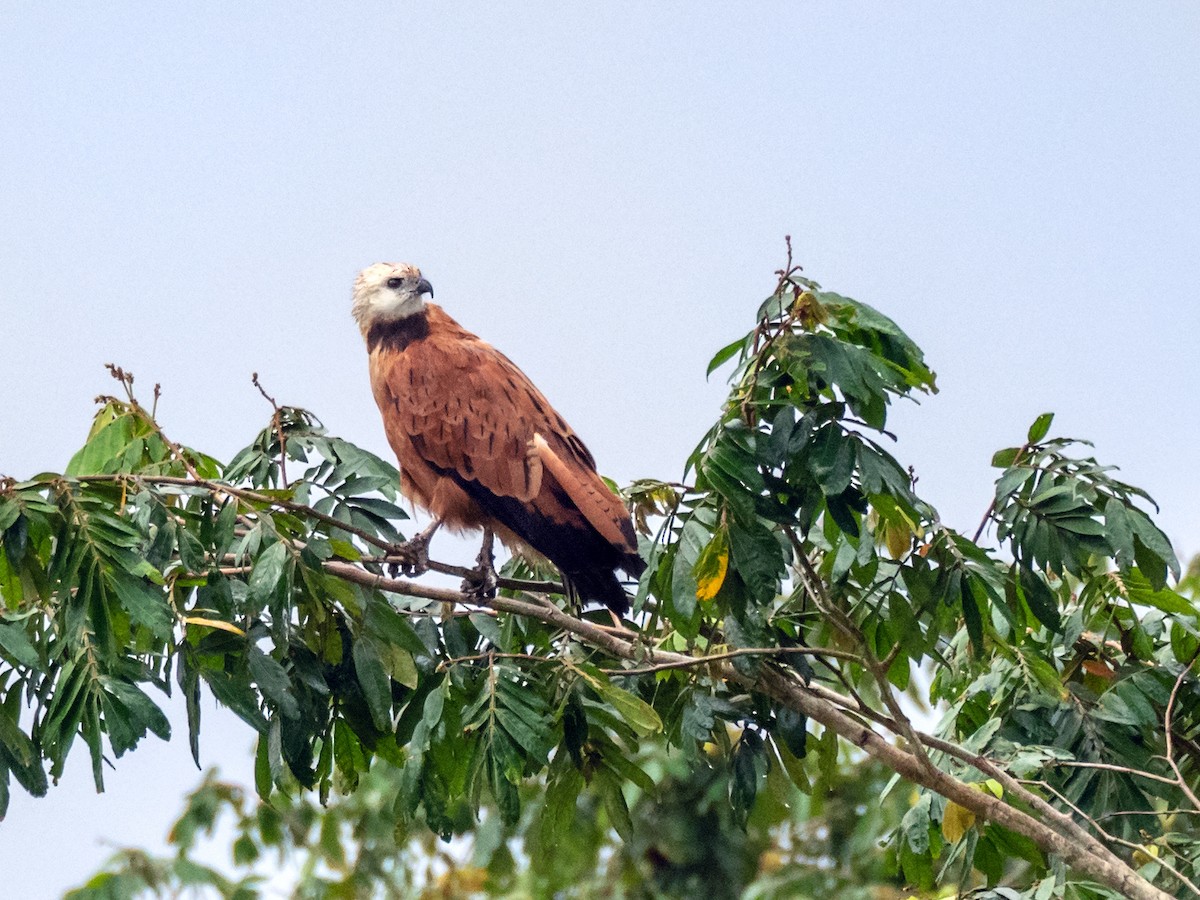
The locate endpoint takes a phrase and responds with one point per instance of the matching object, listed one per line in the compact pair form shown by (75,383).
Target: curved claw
(483,581)
(416,551)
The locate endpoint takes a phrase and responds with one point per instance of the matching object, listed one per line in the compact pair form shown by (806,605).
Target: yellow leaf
(956,821)
(770,862)
(1147,854)
(214,623)
(898,538)
(711,566)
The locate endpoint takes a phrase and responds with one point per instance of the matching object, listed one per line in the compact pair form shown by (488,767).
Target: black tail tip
(600,586)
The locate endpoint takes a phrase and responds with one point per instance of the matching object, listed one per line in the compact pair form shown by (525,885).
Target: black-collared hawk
(480,447)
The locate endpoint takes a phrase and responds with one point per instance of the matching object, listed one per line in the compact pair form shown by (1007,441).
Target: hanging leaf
(956,822)
(710,568)
(639,714)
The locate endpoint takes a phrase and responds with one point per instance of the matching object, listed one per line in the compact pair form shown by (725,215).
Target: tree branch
(1076,846)
(1183,785)
(709,658)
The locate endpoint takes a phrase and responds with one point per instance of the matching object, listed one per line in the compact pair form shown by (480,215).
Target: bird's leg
(416,549)
(571,594)
(482,582)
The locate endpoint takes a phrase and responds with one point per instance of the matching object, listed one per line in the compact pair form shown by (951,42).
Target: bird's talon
(481,583)
(416,557)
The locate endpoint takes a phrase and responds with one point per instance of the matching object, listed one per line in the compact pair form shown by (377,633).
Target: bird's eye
(394,283)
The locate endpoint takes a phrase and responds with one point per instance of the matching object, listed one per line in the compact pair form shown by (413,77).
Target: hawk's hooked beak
(424,287)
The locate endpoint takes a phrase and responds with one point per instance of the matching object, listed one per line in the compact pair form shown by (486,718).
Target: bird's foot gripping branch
(793,589)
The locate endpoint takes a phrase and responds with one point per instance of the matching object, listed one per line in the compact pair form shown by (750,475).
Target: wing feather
(479,443)
(468,409)
(591,496)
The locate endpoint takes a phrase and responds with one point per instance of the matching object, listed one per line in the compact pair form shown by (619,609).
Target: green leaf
(9,511)
(1040,427)
(1184,644)
(375,683)
(401,666)
(1119,532)
(1138,589)
(842,515)
(629,770)
(972,613)
(347,752)
(504,791)
(1002,459)
(1153,540)
(756,555)
(268,571)
(609,787)
(725,354)
(345,550)
(558,812)
(15,643)
(263,782)
(145,713)
(684,589)
(272,680)
(831,459)
(914,827)
(1042,602)
(382,621)
(1113,708)
(226,526)
(105,447)
(637,712)
(18,744)
(1012,480)
(749,765)
(146,603)
(1153,566)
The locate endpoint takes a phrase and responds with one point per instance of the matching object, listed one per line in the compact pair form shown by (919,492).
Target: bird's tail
(601,585)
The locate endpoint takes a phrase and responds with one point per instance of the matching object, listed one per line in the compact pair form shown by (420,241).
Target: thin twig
(1109,767)
(277,422)
(710,658)
(976,761)
(1150,812)
(516,584)
(1112,837)
(1183,785)
(843,623)
(490,655)
(126,379)
(992,506)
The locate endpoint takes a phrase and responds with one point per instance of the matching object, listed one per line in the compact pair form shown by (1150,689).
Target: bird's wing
(600,506)
(468,410)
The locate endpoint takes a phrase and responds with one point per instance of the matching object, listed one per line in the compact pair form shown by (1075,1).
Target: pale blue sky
(602,192)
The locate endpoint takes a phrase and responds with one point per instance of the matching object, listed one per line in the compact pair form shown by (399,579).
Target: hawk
(481,448)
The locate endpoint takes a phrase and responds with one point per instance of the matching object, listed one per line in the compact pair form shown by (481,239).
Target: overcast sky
(602,192)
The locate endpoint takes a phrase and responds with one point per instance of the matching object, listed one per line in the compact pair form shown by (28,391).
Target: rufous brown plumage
(479,446)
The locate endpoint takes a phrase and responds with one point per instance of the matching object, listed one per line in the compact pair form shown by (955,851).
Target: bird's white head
(388,292)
